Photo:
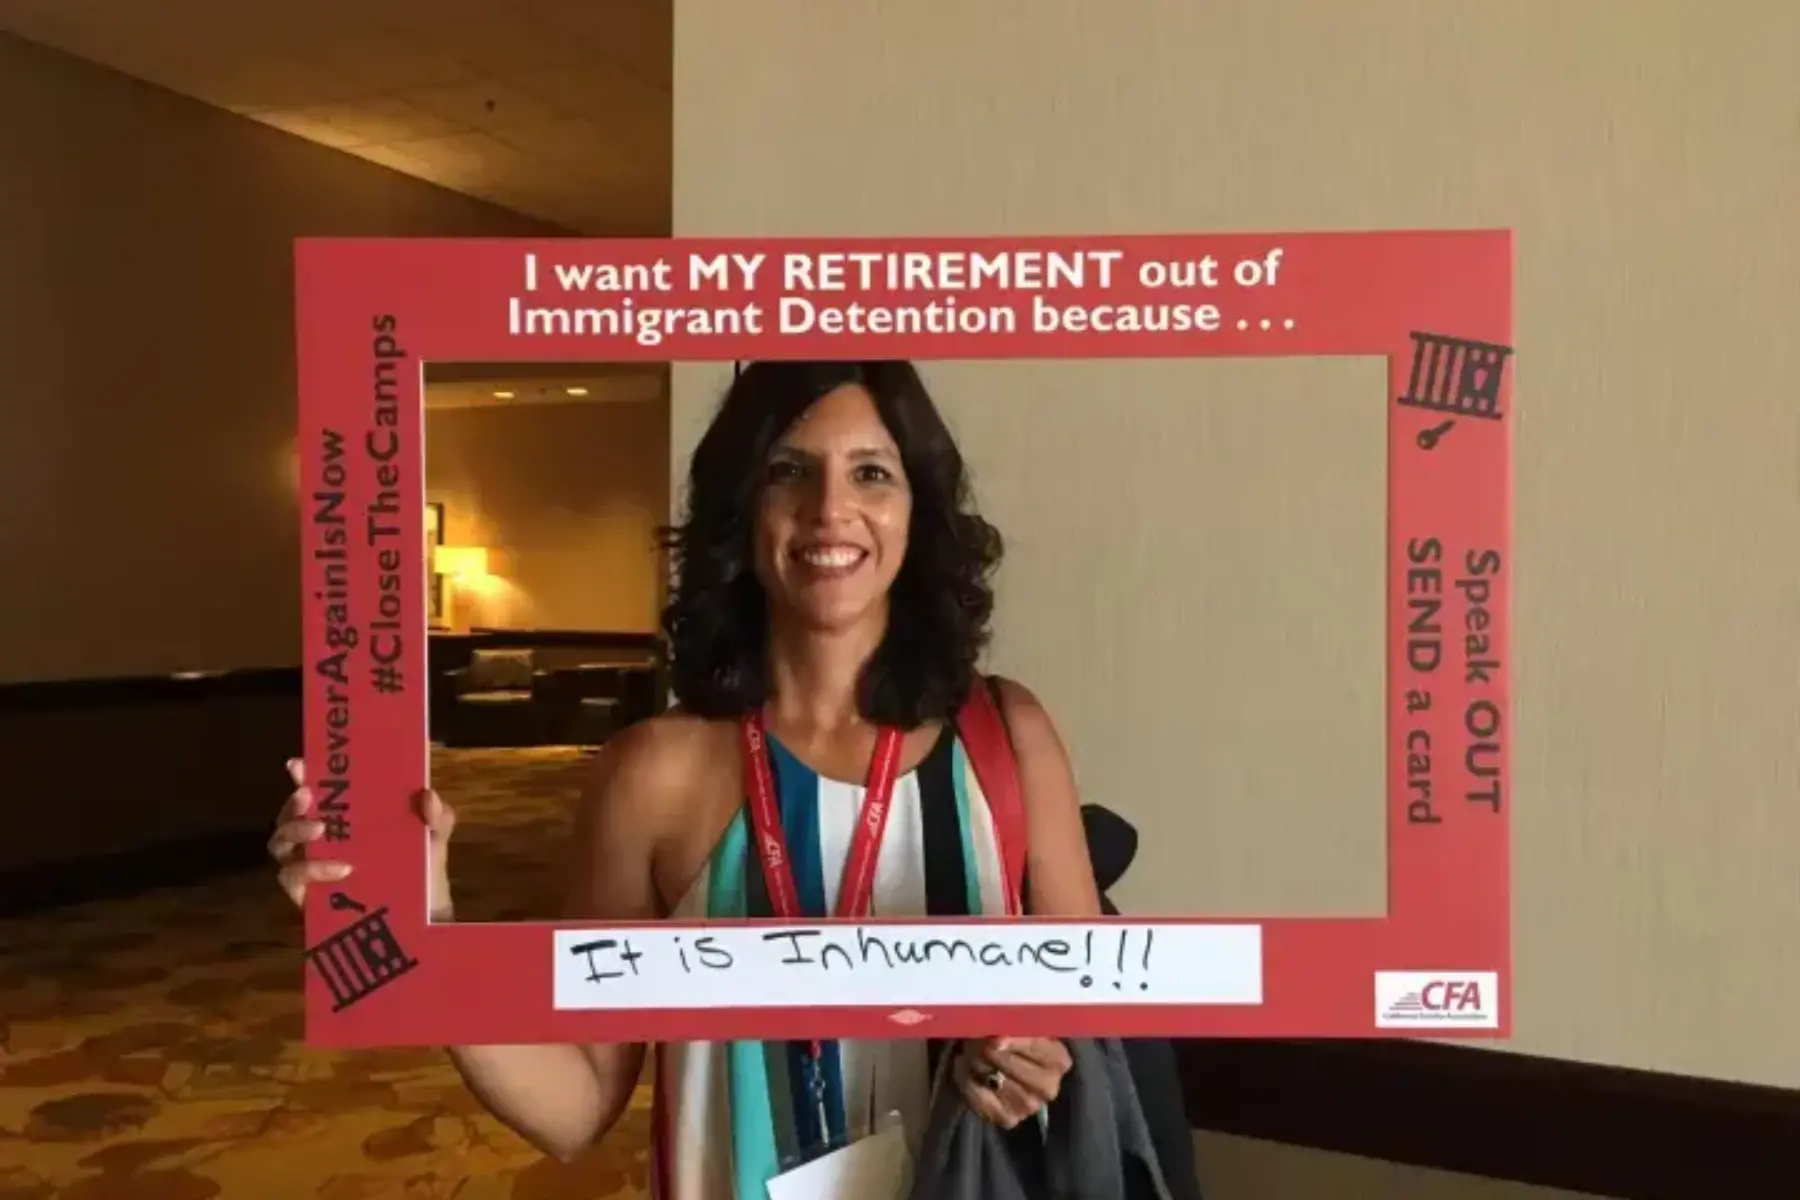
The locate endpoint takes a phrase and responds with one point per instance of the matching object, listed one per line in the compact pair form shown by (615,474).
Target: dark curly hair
(716,621)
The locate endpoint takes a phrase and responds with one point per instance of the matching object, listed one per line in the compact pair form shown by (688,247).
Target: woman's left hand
(1007,1080)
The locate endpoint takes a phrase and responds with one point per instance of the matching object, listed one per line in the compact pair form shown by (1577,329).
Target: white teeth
(837,557)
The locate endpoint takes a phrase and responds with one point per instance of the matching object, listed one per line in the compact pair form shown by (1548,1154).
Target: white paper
(915,964)
(877,1167)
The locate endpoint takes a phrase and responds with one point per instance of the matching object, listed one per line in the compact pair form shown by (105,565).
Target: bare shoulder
(656,766)
(1062,876)
(658,790)
(651,786)
(1033,731)
(662,751)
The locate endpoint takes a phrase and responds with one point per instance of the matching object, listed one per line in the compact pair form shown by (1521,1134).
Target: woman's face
(831,528)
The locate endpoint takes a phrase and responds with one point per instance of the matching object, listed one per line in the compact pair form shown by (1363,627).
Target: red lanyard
(857,889)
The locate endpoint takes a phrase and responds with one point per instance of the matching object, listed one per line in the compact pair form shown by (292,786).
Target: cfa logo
(772,850)
(1466,998)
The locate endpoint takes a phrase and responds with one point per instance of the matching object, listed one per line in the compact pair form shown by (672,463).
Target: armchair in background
(499,699)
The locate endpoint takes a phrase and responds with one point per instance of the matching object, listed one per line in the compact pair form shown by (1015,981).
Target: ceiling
(509,385)
(560,109)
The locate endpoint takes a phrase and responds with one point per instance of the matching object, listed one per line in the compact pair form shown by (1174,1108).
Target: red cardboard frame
(1436,304)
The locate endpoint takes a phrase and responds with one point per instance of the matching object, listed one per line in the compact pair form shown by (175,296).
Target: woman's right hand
(296,828)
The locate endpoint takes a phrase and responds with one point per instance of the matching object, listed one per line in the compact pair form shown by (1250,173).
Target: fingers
(439,817)
(295,829)
(290,836)
(1037,1072)
(296,877)
(996,1098)
(988,1104)
(298,804)
(1046,1054)
(1007,1081)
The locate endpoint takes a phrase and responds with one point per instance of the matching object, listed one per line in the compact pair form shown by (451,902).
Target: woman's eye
(872,473)
(782,470)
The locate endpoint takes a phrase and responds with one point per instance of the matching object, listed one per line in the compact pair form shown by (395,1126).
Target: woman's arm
(1056,849)
(1008,1080)
(562,1099)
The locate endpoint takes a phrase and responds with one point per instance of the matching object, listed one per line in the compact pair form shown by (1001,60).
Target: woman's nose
(835,499)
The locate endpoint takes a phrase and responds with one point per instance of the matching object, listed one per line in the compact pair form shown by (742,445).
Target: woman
(832,590)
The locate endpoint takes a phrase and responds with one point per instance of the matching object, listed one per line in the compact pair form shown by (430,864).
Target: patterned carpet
(149,1049)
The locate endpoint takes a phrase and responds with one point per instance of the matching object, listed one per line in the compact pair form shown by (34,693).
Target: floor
(149,1049)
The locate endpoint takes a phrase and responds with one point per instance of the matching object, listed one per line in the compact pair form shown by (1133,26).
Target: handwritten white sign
(781,966)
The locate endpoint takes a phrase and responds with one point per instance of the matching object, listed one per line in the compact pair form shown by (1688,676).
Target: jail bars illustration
(359,959)
(1455,376)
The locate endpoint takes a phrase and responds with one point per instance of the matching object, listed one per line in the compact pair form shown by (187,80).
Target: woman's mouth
(830,562)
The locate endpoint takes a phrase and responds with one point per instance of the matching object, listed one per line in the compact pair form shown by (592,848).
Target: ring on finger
(992,1078)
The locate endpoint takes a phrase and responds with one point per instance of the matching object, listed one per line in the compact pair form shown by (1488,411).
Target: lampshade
(459,561)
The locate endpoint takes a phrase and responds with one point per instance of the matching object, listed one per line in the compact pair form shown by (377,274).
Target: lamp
(458,566)
(459,562)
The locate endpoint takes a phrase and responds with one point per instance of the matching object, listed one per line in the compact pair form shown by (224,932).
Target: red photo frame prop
(1436,304)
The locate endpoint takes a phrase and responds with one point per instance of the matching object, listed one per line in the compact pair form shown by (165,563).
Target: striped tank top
(726,1116)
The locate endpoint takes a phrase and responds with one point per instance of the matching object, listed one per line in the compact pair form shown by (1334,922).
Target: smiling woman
(844,458)
(832,599)
(829,607)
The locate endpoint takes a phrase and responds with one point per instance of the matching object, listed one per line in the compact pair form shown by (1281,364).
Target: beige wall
(1193,584)
(1235,1168)
(567,499)
(147,503)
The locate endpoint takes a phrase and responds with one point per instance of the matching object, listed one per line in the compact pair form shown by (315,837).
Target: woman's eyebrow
(867,452)
(859,454)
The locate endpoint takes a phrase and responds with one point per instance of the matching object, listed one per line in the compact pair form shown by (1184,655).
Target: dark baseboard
(39,888)
(581,639)
(145,691)
(1606,1131)
(121,785)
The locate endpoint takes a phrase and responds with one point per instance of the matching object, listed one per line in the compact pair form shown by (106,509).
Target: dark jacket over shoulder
(1095,1146)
